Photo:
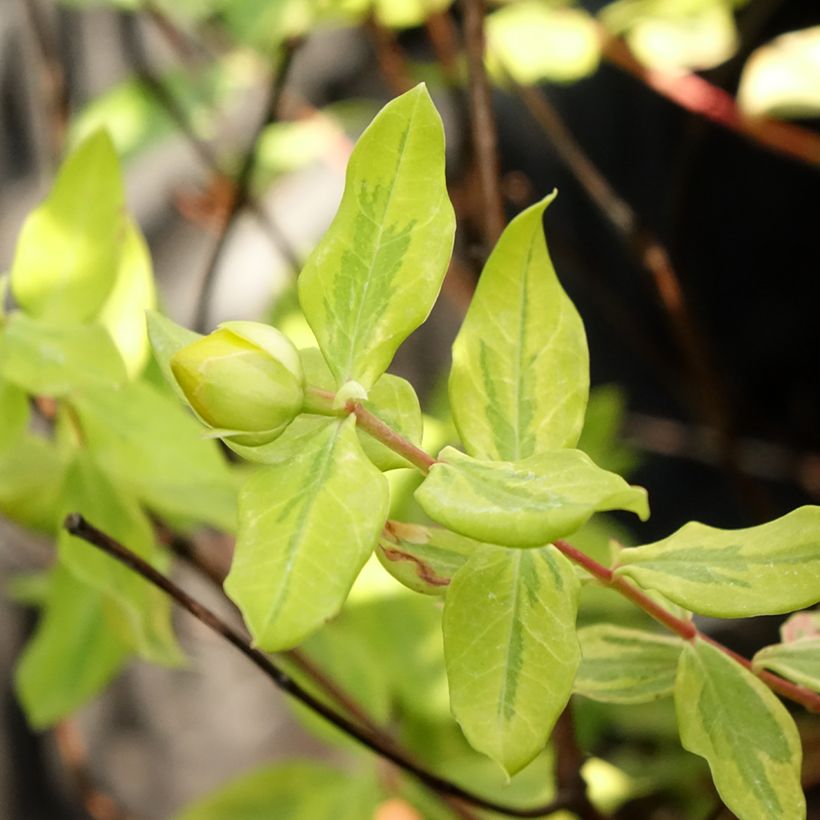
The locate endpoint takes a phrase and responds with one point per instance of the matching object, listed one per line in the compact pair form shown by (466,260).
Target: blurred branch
(700,97)
(568,762)
(389,56)
(485,137)
(242,191)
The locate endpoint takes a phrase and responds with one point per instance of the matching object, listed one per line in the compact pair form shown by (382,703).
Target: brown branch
(389,57)
(568,762)
(79,527)
(242,190)
(700,97)
(482,118)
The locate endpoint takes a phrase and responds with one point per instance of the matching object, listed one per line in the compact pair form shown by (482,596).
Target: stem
(685,629)
(79,527)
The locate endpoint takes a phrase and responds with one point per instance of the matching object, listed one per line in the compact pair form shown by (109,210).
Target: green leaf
(53,359)
(151,445)
(623,665)
(14,414)
(291,791)
(123,313)
(520,374)
(166,338)
(74,653)
(306,528)
(144,611)
(69,247)
(726,715)
(423,559)
(524,504)
(511,649)
(763,570)
(798,661)
(391,398)
(375,275)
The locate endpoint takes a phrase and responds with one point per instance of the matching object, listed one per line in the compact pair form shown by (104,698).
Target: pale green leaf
(726,715)
(290,791)
(798,661)
(74,653)
(601,439)
(520,373)
(123,313)
(53,359)
(14,414)
(621,665)
(375,275)
(29,588)
(154,447)
(424,559)
(68,249)
(306,528)
(167,337)
(144,610)
(510,649)
(523,504)
(763,570)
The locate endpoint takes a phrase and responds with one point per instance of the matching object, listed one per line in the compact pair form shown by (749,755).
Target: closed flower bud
(244,379)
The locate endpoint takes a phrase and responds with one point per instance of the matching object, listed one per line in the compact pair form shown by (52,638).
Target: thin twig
(485,138)
(79,527)
(242,190)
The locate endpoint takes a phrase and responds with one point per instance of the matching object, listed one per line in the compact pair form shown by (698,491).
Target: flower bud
(244,379)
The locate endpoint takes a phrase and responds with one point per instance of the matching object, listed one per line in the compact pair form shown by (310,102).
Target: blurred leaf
(602,427)
(74,653)
(68,249)
(14,414)
(53,359)
(782,78)
(30,588)
(801,625)
(533,42)
(407,13)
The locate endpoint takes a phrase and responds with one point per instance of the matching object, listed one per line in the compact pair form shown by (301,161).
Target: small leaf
(520,374)
(510,649)
(144,611)
(167,338)
(801,625)
(726,715)
(306,528)
(69,247)
(424,559)
(14,414)
(154,447)
(375,275)
(524,504)
(290,791)
(123,313)
(798,661)
(53,359)
(621,665)
(763,570)
(74,653)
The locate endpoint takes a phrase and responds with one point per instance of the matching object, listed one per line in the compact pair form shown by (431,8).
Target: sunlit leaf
(520,372)
(729,717)
(375,275)
(526,503)
(511,649)
(763,570)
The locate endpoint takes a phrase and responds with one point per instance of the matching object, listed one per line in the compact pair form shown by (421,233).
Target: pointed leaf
(144,611)
(520,374)
(74,653)
(68,249)
(306,528)
(798,661)
(621,665)
(424,559)
(374,277)
(53,359)
(524,504)
(763,570)
(510,649)
(726,715)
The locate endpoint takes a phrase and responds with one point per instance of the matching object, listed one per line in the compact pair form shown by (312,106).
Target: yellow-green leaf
(14,414)
(520,375)
(798,661)
(726,715)
(510,649)
(375,275)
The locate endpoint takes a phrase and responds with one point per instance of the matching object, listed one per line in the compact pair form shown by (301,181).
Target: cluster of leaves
(317,503)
